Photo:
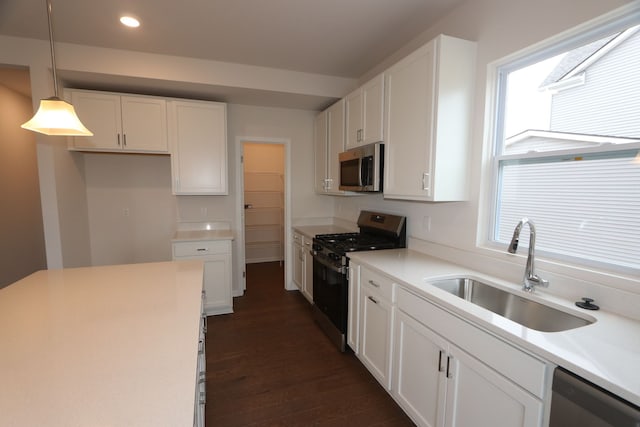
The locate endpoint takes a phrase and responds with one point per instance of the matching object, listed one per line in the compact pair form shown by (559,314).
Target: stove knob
(334,256)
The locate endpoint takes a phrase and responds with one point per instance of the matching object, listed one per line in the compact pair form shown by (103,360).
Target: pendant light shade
(55,116)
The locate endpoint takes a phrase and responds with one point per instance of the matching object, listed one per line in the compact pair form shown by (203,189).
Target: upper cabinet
(329,142)
(365,113)
(428,103)
(198,139)
(128,123)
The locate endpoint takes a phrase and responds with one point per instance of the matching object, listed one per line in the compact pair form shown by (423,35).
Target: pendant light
(55,116)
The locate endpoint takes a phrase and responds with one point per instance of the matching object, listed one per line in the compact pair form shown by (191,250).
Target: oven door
(330,292)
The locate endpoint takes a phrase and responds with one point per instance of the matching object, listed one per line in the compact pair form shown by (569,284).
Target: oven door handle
(329,265)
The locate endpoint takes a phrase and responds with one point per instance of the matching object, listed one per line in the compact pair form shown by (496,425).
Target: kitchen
(500,28)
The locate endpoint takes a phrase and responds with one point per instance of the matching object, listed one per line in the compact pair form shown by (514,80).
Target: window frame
(494,139)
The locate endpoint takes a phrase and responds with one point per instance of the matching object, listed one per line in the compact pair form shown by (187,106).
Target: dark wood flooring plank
(268,364)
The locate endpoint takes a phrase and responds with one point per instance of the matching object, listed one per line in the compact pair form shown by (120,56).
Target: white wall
(131,211)
(501,28)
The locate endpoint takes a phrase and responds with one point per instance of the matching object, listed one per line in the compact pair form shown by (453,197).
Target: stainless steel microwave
(361,168)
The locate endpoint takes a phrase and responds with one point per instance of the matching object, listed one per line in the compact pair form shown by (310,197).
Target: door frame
(240,238)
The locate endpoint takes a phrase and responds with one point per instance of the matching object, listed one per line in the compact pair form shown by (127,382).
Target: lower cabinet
(216,255)
(441,369)
(353,311)
(439,384)
(308,269)
(303,265)
(201,384)
(376,325)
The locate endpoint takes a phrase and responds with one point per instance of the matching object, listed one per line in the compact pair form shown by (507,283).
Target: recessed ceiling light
(129,21)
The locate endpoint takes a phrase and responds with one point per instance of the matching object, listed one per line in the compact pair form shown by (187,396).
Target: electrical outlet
(203,212)
(125,211)
(426,224)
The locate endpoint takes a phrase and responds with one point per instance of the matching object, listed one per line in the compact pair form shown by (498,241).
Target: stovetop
(351,242)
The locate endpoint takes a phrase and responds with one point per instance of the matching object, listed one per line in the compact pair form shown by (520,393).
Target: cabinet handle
(373,300)
(124,139)
(449,373)
(426,181)
(372,283)
(118,140)
(201,249)
(206,325)
(440,368)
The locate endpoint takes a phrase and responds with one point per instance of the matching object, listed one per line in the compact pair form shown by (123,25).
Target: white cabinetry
(364,113)
(428,103)
(353,313)
(201,384)
(198,139)
(128,123)
(440,384)
(216,255)
(308,269)
(298,260)
(328,143)
(376,325)
(303,265)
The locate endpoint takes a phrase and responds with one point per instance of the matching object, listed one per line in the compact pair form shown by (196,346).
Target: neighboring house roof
(580,58)
(533,140)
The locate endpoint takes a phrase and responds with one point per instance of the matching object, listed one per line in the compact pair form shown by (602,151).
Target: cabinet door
(376,318)
(298,263)
(308,270)
(353,107)
(100,113)
(144,124)
(335,143)
(479,396)
(198,139)
(419,381)
(217,284)
(408,129)
(373,111)
(353,312)
(320,152)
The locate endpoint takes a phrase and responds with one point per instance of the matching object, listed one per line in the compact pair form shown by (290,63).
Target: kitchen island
(101,346)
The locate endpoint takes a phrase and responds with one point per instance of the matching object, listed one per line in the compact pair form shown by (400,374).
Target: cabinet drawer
(525,370)
(201,248)
(378,283)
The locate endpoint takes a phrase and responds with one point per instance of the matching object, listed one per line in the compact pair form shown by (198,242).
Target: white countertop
(101,346)
(606,352)
(313,230)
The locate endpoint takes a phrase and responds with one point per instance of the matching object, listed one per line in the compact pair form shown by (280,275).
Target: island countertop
(101,346)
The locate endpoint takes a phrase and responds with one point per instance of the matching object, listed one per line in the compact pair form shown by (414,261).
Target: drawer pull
(373,300)
(202,249)
(372,283)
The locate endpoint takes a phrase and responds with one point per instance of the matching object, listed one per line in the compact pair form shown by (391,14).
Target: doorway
(263,203)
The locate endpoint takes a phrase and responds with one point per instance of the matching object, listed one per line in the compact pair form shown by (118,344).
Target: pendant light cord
(53,55)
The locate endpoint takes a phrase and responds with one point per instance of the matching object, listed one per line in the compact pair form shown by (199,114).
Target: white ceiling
(343,38)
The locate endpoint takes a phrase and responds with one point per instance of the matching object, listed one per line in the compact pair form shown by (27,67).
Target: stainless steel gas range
(330,266)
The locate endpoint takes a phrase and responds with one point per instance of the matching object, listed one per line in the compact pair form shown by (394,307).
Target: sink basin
(526,312)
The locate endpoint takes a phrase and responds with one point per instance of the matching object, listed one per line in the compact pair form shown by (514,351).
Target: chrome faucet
(530,279)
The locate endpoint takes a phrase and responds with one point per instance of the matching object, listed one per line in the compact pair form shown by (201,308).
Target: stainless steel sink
(524,311)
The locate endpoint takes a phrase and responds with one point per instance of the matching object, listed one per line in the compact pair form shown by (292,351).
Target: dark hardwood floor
(268,364)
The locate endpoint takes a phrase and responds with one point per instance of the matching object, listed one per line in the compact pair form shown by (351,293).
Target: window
(567,150)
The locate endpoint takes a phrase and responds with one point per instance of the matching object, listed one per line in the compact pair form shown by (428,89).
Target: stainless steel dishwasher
(577,402)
